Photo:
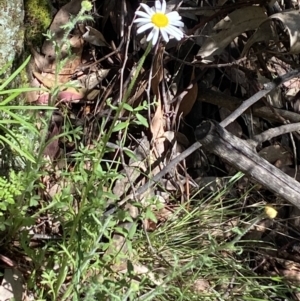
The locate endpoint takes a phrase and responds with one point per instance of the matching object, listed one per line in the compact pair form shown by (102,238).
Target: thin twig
(260,94)
(198,64)
(83,68)
(271,133)
(124,62)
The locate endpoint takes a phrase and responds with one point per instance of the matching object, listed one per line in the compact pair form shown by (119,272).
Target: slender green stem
(239,236)
(84,197)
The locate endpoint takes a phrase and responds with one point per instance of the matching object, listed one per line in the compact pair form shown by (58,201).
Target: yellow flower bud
(270,211)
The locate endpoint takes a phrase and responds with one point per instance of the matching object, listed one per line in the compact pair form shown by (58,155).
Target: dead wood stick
(271,133)
(240,155)
(232,103)
(268,87)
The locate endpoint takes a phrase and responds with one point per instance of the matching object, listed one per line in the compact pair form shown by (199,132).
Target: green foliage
(38,16)
(7,112)
(9,190)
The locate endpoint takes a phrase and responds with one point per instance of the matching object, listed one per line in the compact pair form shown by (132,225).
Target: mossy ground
(38,16)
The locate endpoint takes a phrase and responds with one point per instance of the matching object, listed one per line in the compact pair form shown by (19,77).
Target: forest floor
(105,190)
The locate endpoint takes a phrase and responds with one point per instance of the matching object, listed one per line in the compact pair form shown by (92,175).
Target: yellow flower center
(160,20)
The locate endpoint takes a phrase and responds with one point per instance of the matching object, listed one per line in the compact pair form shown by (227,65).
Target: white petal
(163,6)
(157,6)
(175,29)
(141,20)
(144,27)
(147,8)
(155,37)
(179,31)
(140,24)
(177,23)
(150,35)
(173,15)
(176,37)
(164,35)
(142,14)
(175,32)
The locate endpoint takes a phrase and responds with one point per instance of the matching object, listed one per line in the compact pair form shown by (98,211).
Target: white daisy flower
(156,18)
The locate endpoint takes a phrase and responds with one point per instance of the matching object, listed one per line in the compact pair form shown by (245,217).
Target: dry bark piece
(93,79)
(52,148)
(201,286)
(134,168)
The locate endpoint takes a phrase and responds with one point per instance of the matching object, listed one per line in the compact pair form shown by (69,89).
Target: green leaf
(22,90)
(127,107)
(19,151)
(14,74)
(20,120)
(140,108)
(130,154)
(120,126)
(143,121)
(132,231)
(122,231)
(150,215)
(110,195)
(10,98)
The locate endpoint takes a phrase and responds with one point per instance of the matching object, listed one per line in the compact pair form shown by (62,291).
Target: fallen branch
(271,133)
(241,156)
(240,110)
(232,103)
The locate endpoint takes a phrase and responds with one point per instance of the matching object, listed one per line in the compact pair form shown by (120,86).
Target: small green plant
(9,190)
(17,150)
(7,112)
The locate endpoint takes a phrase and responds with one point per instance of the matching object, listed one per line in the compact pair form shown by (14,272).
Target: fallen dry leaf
(265,32)
(157,72)
(95,37)
(47,78)
(62,17)
(189,99)
(157,123)
(233,25)
(291,21)
(277,154)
